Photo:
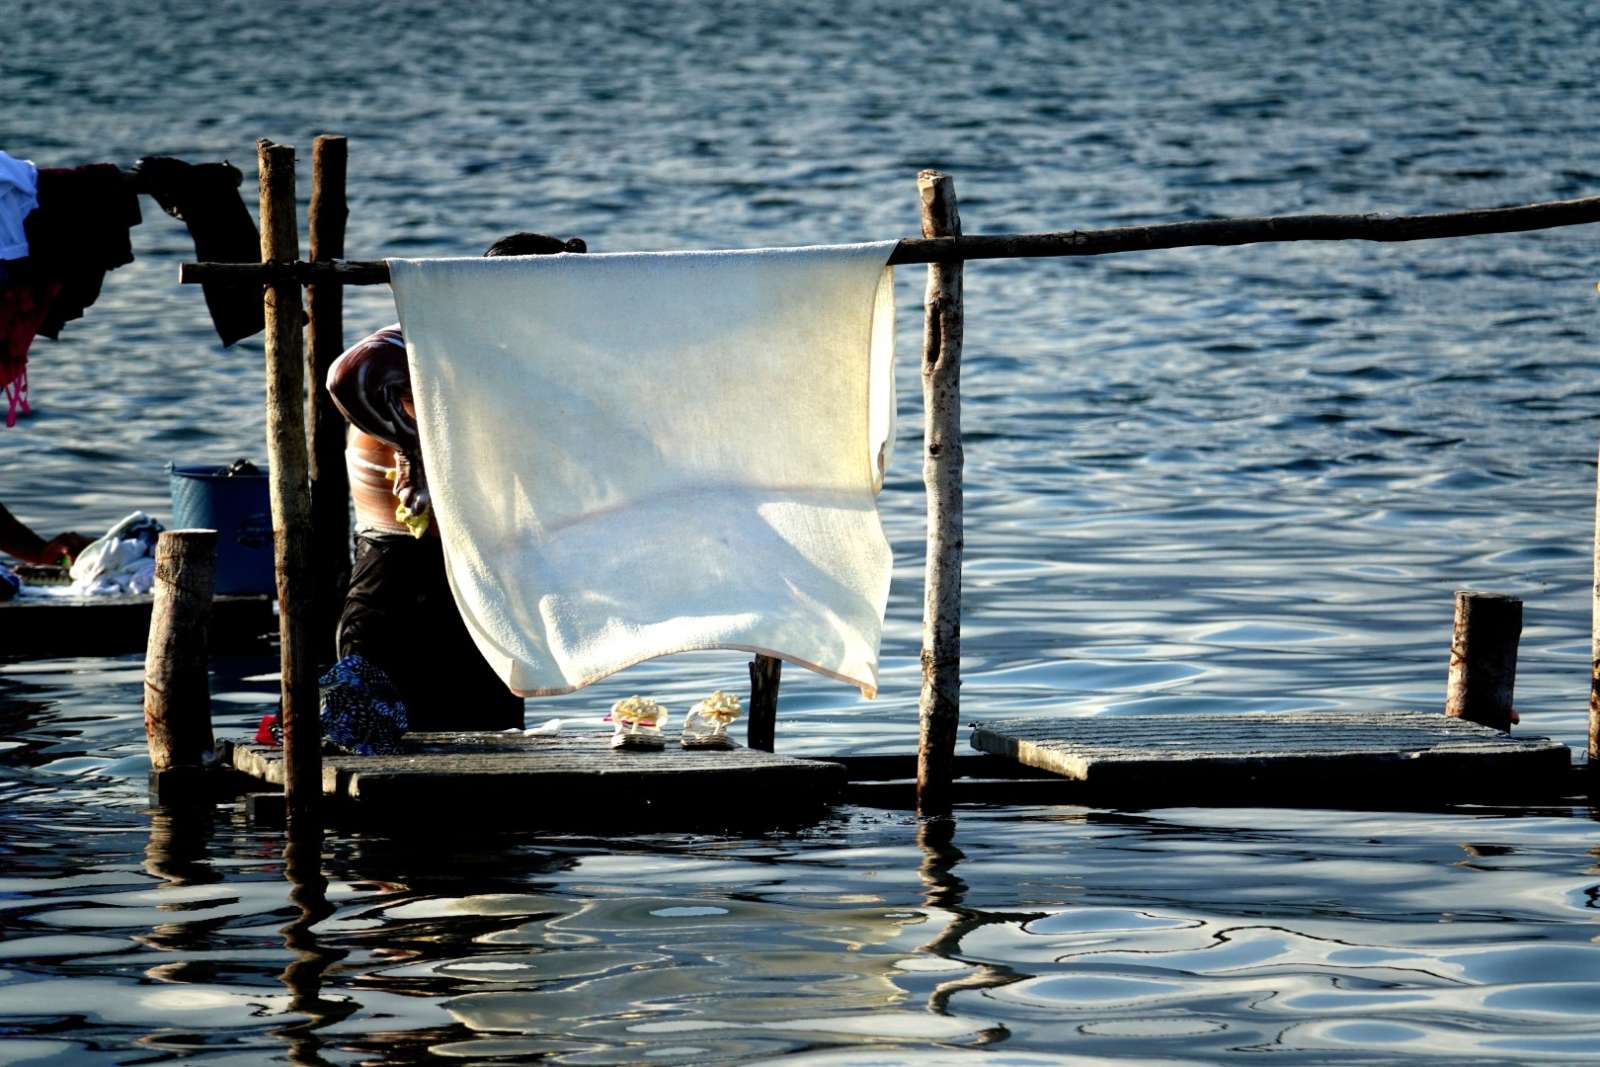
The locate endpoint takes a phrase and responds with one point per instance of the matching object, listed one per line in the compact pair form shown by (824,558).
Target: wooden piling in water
(1594,646)
(762,724)
(291,494)
(1483,658)
(177,674)
(330,485)
(943,320)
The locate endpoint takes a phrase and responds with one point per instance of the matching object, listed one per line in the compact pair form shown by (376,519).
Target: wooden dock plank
(1211,758)
(35,627)
(457,774)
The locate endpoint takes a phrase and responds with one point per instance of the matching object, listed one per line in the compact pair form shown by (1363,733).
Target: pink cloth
(22,311)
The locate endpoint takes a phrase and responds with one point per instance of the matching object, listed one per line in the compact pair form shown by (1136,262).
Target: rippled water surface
(1211,479)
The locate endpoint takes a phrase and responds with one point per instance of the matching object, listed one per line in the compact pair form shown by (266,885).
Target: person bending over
(399,615)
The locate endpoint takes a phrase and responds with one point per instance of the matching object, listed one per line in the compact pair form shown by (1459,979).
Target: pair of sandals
(639,721)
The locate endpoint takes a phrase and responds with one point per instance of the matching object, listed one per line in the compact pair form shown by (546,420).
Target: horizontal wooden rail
(1069,243)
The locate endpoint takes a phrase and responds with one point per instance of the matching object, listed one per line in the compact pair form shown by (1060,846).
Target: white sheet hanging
(636,455)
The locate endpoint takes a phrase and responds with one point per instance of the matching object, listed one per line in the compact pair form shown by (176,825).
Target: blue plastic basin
(239,508)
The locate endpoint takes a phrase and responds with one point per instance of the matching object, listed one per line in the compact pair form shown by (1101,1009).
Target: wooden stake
(330,485)
(291,495)
(177,668)
(943,318)
(762,725)
(1594,648)
(1483,658)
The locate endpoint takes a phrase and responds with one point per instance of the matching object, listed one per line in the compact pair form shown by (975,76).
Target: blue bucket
(239,507)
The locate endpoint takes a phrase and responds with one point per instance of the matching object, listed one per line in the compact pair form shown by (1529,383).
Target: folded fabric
(205,197)
(637,455)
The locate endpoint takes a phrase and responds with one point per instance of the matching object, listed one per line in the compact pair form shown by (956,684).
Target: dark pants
(399,615)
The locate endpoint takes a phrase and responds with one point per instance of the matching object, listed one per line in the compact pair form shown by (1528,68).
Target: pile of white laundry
(123,561)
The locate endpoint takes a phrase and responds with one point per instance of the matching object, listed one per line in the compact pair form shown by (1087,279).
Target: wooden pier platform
(1306,758)
(572,778)
(38,627)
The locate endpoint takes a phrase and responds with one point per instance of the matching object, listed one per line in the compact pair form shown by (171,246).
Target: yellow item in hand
(418,523)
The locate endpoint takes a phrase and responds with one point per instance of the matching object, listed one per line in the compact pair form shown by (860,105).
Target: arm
(19,541)
(371,386)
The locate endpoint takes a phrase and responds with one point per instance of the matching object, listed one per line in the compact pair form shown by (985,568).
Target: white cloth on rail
(19,195)
(640,454)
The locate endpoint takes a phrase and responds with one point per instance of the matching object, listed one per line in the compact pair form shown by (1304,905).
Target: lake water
(1209,479)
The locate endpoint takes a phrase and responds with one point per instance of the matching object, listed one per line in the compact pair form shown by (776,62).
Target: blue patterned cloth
(10,584)
(362,713)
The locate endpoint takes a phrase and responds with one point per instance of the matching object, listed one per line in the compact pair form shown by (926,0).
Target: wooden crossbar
(1120,239)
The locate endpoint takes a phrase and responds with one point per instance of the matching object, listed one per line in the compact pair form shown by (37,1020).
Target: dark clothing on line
(78,232)
(205,197)
(400,615)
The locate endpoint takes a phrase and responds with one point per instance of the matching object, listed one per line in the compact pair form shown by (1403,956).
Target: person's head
(534,244)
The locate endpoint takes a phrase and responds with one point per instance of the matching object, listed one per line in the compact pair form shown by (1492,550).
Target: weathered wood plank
(1210,757)
(38,627)
(573,777)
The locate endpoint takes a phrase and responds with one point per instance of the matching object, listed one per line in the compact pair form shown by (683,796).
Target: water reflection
(944,900)
(303,977)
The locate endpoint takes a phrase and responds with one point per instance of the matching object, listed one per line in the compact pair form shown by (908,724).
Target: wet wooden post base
(1483,658)
(291,493)
(1594,650)
(762,724)
(943,322)
(330,486)
(177,668)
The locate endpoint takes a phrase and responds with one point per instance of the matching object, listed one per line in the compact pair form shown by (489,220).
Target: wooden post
(1594,647)
(1483,658)
(291,495)
(943,317)
(762,724)
(177,667)
(330,486)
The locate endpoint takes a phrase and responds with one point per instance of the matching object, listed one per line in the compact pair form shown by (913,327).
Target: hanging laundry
(24,300)
(79,232)
(24,304)
(205,197)
(19,195)
(637,455)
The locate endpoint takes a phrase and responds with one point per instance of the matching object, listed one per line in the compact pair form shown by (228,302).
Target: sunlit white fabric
(636,455)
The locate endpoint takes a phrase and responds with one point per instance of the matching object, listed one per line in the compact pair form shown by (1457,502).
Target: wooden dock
(37,627)
(1305,758)
(566,779)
